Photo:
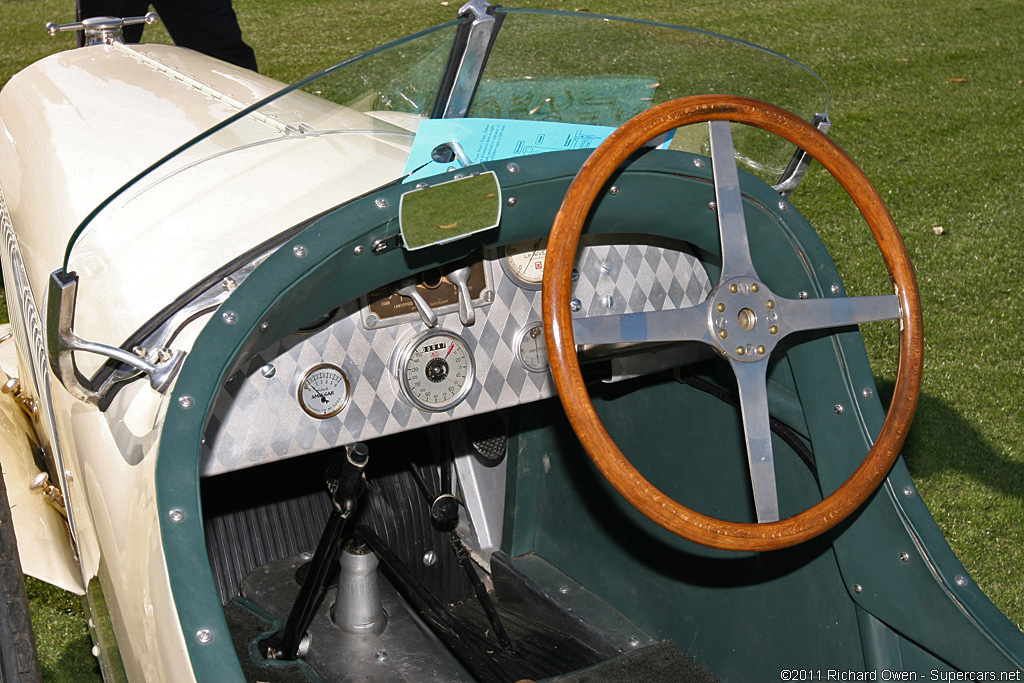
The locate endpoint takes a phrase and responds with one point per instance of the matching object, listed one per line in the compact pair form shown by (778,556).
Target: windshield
(353,127)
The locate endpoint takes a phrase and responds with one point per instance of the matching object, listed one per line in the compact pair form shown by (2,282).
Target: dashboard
(438,345)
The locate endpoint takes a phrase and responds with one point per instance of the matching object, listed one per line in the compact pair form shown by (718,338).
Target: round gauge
(323,391)
(531,349)
(436,370)
(524,262)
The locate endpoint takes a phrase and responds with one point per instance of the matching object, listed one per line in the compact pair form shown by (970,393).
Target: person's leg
(208,26)
(119,9)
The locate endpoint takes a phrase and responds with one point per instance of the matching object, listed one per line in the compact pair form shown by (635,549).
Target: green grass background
(926,97)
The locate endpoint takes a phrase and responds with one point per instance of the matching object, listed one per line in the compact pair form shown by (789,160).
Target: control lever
(344,482)
(407,287)
(460,278)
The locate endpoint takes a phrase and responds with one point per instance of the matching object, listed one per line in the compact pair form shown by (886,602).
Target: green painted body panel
(745,616)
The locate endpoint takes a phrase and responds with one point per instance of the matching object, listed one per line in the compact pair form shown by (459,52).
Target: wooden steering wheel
(742,319)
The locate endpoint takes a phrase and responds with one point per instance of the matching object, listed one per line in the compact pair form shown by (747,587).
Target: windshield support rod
(467,60)
(800,162)
(161,365)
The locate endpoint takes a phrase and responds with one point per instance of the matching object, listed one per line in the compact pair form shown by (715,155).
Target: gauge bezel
(404,355)
(520,335)
(507,268)
(341,406)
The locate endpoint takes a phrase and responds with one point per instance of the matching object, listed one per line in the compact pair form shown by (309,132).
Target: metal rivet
(838,408)
(608,300)
(722,334)
(358,250)
(185,402)
(769,304)
(699,163)
(511,201)
(866,392)
(634,641)
(379,247)
(614,189)
(228,284)
(176,515)
(268,370)
(229,317)
(908,491)
(760,350)
(835,289)
(96,651)
(754,287)
(430,558)
(305,556)
(513,168)
(961,580)
(381,656)
(422,186)
(801,295)
(720,307)
(712,206)
(264,326)
(575,306)
(773,329)
(488,295)
(458,176)
(563,589)
(381,203)
(299,250)
(733,288)
(857,588)
(904,557)
(204,636)
(740,351)
(783,206)
(371,320)
(575,275)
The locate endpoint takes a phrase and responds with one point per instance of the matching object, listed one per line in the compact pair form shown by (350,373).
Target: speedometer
(436,370)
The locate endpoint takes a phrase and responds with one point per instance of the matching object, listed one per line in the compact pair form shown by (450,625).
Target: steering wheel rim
(561,340)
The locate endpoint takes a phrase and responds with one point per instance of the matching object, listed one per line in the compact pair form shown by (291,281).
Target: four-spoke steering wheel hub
(744,319)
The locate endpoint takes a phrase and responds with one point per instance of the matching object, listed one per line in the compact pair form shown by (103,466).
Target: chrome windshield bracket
(801,161)
(161,365)
(466,63)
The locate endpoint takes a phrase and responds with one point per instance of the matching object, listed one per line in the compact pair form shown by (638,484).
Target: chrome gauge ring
(435,371)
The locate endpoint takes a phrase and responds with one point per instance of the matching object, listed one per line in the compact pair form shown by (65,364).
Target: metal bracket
(162,365)
(466,65)
(801,160)
(102,30)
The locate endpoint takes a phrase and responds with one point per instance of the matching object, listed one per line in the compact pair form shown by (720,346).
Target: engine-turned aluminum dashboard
(266,412)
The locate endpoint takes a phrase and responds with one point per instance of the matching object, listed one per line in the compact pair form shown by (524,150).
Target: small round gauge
(436,370)
(323,391)
(531,349)
(524,262)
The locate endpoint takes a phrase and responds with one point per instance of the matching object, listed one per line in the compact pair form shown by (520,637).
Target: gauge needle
(450,349)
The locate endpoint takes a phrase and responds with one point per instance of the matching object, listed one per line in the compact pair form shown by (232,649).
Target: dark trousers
(208,26)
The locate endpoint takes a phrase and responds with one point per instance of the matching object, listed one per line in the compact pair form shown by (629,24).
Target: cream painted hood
(79,125)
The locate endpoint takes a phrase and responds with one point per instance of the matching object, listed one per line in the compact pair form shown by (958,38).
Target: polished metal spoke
(753,390)
(678,324)
(816,314)
(732,226)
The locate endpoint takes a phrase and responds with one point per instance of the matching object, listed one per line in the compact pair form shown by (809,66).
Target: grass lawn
(926,96)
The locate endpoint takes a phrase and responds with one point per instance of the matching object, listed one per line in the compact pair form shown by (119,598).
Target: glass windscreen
(351,128)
